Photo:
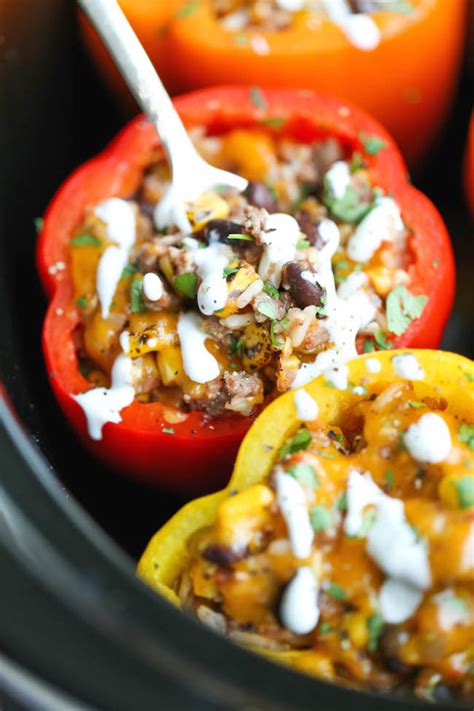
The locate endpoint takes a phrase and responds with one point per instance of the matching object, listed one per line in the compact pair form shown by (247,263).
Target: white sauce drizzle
(391,543)
(353,290)
(291,5)
(429,439)
(291,499)
(382,224)
(338,377)
(452,610)
(199,365)
(407,366)
(279,246)
(360,29)
(299,610)
(212,293)
(343,317)
(398,601)
(338,179)
(373,365)
(306,406)
(102,405)
(152,286)
(120,221)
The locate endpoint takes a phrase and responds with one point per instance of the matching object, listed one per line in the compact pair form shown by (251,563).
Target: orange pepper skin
(199,455)
(150,19)
(469,166)
(407,82)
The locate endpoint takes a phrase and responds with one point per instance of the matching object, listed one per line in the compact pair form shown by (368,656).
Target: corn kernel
(209,206)
(241,516)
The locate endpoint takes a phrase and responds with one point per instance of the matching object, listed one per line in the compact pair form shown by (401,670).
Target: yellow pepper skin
(447,375)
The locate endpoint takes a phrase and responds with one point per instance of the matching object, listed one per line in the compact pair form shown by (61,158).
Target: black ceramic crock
(77,629)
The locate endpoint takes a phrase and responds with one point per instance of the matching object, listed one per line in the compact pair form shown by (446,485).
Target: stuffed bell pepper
(398,60)
(163,340)
(343,544)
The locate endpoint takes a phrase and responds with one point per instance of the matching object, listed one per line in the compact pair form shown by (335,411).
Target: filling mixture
(352,16)
(256,293)
(356,556)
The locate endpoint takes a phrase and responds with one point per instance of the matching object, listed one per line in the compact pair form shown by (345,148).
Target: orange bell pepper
(407,82)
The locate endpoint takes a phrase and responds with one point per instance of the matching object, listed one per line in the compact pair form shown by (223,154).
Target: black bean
(259,195)
(304,293)
(147,207)
(224,555)
(219,230)
(309,227)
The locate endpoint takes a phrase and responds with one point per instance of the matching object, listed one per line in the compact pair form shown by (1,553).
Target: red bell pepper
(198,454)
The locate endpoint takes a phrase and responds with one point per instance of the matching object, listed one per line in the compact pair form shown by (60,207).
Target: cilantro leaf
(273,338)
(187,10)
(38,223)
(336,591)
(402,308)
(300,441)
(228,271)
(349,207)
(82,302)
(321,518)
(374,629)
(186,284)
(305,474)
(466,435)
(85,240)
(168,430)
(274,122)
(389,478)
(241,237)
(137,303)
(128,271)
(271,290)
(372,144)
(381,340)
(267,309)
(465,491)
(257,98)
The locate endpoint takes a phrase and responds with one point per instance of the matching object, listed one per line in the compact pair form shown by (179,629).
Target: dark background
(56,114)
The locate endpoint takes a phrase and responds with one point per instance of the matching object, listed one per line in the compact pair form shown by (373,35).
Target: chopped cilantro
(273,338)
(284,323)
(465,491)
(242,237)
(186,284)
(416,403)
(82,302)
(38,223)
(381,340)
(228,271)
(241,39)
(237,346)
(342,502)
(372,144)
(187,10)
(305,474)
(466,434)
(274,122)
(257,98)
(369,346)
(300,441)
(321,518)
(85,240)
(368,521)
(374,629)
(129,270)
(349,207)
(271,290)
(469,377)
(402,7)
(137,304)
(267,309)
(324,628)
(326,455)
(167,430)
(403,308)
(233,366)
(357,162)
(303,244)
(389,479)
(436,263)
(336,591)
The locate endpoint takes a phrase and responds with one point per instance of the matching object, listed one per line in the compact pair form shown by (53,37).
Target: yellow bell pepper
(447,376)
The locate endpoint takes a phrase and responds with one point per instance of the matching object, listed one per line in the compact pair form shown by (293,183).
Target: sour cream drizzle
(343,316)
(392,544)
(299,610)
(199,365)
(360,29)
(212,293)
(120,221)
(279,246)
(382,224)
(429,439)
(306,406)
(292,503)
(102,405)
(407,366)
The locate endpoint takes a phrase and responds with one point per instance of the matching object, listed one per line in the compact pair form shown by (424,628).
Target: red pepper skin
(199,455)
